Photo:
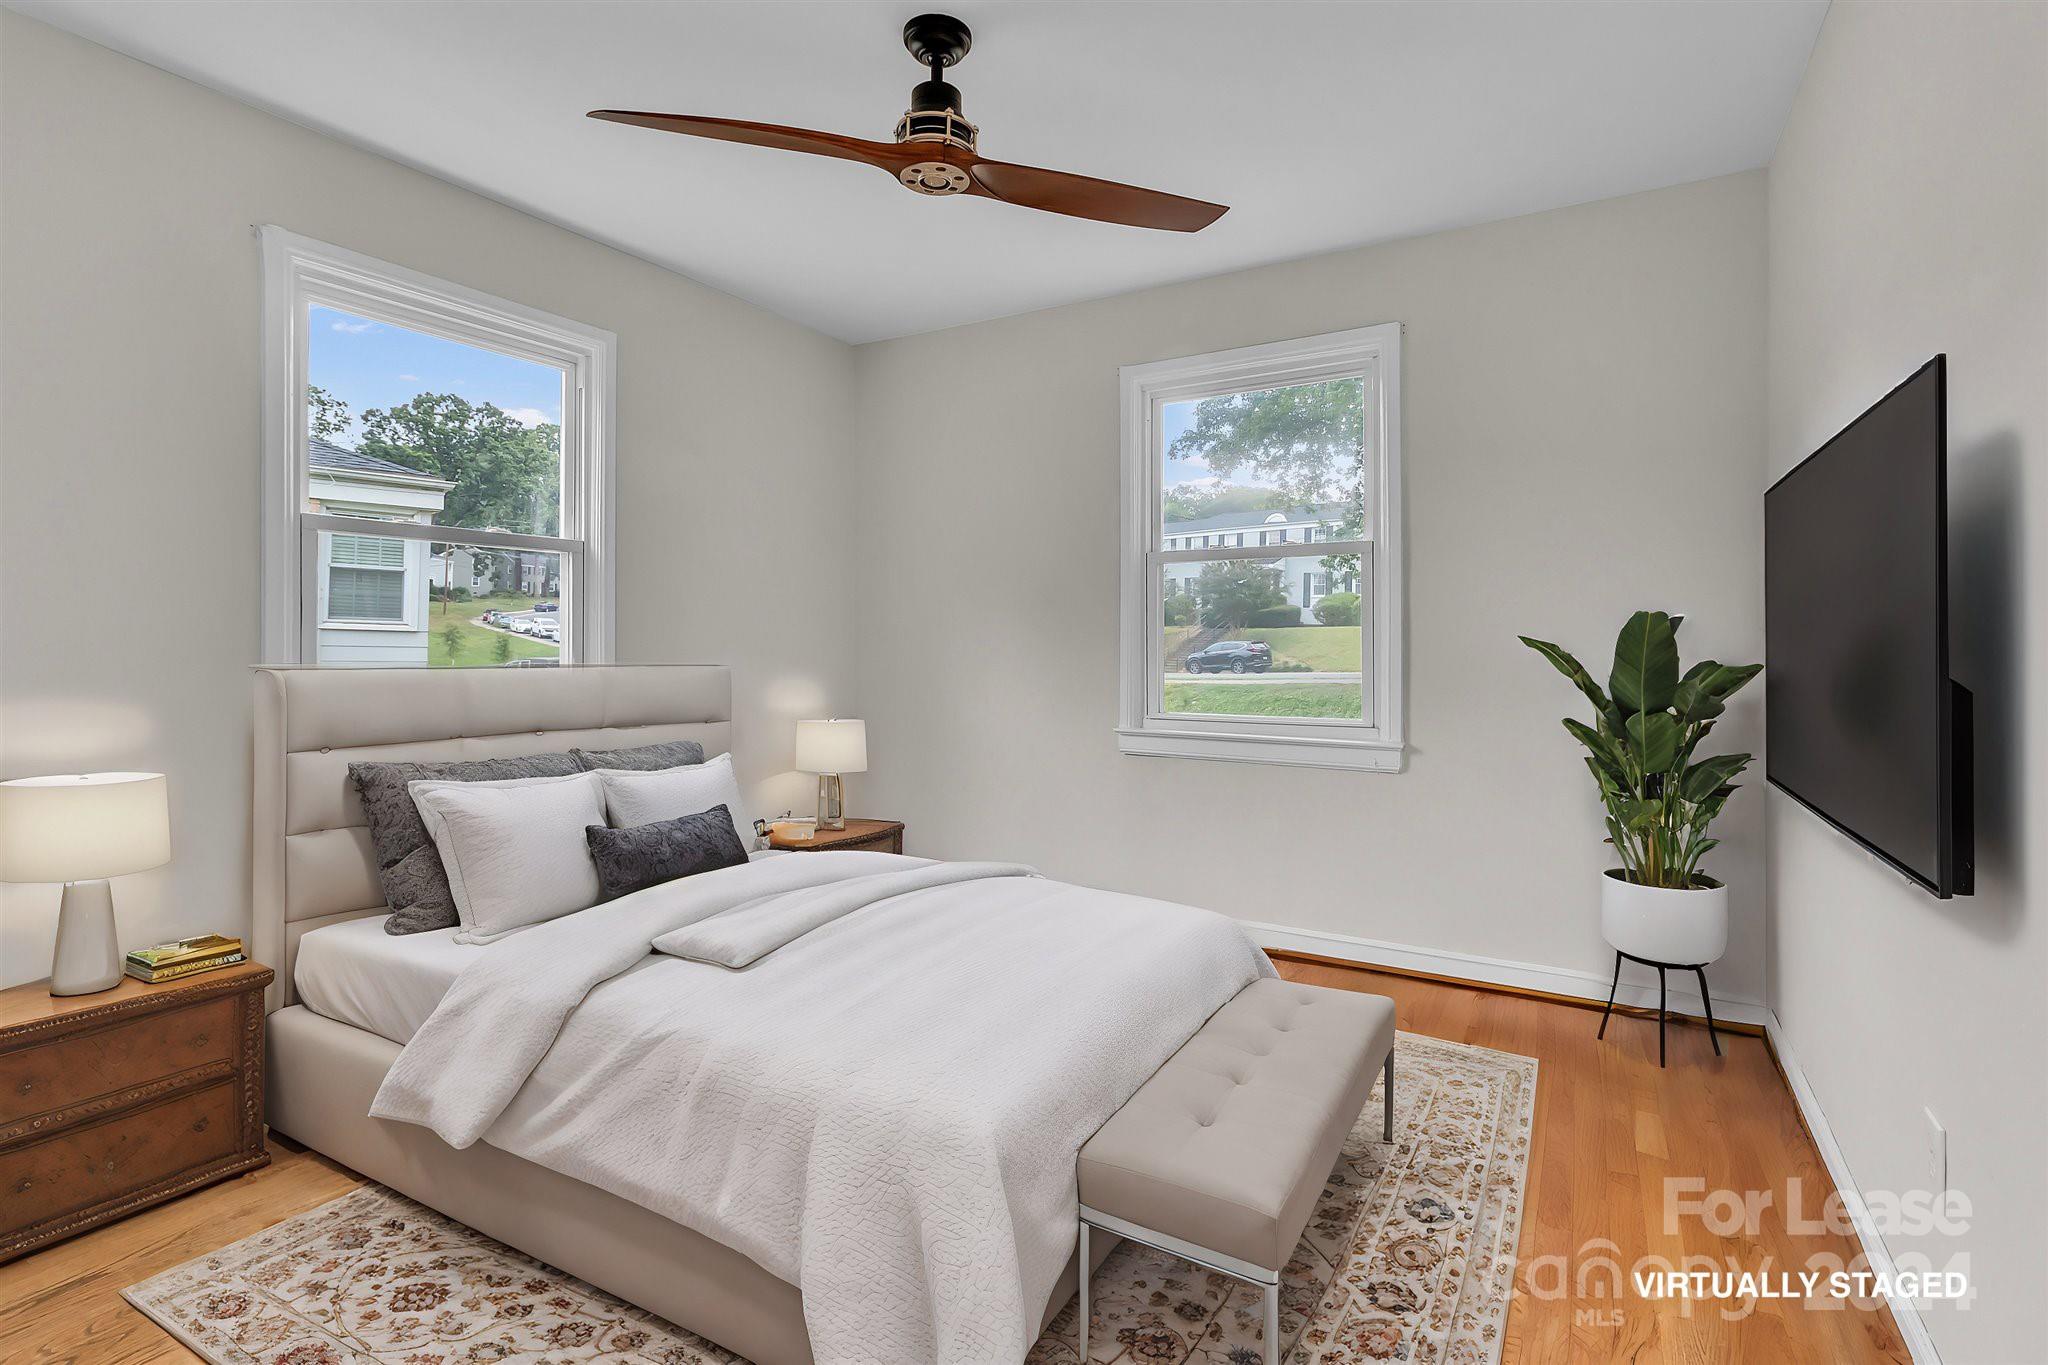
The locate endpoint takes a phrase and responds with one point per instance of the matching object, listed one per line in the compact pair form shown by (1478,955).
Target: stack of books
(184,957)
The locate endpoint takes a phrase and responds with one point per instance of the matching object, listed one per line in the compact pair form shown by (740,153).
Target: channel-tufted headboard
(313,863)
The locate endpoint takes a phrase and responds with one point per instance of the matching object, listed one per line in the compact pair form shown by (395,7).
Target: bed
(370,999)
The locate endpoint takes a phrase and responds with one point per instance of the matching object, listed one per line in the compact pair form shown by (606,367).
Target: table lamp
(829,748)
(81,829)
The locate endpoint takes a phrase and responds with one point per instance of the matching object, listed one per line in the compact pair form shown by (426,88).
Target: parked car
(547,630)
(522,625)
(547,606)
(1239,656)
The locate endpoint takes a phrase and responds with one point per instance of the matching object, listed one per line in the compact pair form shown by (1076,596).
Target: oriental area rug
(1409,1256)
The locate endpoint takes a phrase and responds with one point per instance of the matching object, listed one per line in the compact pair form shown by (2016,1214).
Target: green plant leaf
(1706,777)
(1645,663)
(1564,663)
(1719,680)
(1603,748)
(1655,736)
(1694,703)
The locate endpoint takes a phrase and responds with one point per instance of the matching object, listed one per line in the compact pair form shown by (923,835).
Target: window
(438,471)
(1298,435)
(366,580)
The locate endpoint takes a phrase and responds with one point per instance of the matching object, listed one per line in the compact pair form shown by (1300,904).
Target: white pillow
(641,798)
(514,851)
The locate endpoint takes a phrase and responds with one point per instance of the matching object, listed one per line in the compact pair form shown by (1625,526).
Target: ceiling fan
(934,148)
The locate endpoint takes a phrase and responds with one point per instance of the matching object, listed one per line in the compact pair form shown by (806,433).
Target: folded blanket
(750,931)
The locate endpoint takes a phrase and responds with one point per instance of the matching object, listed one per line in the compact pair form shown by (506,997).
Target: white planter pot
(1659,924)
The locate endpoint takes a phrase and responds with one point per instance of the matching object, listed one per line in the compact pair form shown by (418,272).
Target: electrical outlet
(1937,1153)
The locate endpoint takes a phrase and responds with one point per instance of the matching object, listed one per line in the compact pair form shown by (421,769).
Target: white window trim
(298,272)
(1376,747)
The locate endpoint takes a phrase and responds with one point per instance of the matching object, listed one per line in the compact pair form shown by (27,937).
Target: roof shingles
(327,455)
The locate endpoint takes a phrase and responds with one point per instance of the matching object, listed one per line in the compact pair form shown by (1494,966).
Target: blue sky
(370,364)
(1174,418)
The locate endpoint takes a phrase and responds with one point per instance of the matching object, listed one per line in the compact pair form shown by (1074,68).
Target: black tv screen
(1863,724)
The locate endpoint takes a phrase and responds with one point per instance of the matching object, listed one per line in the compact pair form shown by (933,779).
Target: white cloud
(529,417)
(355,328)
(410,379)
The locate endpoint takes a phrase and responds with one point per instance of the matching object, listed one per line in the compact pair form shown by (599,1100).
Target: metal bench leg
(1272,1324)
(1084,1294)
(1387,1124)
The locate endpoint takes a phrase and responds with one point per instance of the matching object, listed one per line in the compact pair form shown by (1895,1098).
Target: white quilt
(884,1111)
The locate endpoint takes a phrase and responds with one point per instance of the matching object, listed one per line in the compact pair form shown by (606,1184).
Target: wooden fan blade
(887,155)
(1080,196)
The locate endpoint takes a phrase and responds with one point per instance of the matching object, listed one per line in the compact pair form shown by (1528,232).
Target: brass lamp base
(831,804)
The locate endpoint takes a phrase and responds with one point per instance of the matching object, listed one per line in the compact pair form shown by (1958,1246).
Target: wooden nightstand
(112,1102)
(870,836)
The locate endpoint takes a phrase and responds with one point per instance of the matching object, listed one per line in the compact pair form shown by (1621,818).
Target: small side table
(869,836)
(115,1101)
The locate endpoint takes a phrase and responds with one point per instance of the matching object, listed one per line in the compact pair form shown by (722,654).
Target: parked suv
(1239,656)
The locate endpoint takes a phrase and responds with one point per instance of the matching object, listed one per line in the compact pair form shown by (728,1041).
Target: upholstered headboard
(313,862)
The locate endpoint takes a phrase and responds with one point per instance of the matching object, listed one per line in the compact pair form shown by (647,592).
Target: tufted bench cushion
(1229,1143)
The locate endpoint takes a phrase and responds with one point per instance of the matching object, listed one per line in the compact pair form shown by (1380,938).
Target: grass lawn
(477,646)
(1325,649)
(1336,701)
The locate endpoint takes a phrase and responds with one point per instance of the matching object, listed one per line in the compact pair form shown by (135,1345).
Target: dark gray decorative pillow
(636,858)
(648,758)
(408,865)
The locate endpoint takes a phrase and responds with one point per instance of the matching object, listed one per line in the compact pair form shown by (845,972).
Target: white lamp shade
(83,826)
(832,746)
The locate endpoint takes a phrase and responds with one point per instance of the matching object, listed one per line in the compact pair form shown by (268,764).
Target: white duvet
(883,1110)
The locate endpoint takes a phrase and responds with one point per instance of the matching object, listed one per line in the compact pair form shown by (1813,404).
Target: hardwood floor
(1610,1129)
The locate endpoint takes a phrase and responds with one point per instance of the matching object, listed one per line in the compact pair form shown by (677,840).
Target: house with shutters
(1303,577)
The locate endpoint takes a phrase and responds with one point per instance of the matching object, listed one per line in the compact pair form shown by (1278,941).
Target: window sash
(1143,728)
(299,273)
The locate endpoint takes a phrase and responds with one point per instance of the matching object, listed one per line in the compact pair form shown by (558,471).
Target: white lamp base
(88,949)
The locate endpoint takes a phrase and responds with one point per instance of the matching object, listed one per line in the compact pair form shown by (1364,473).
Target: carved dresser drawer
(112,1102)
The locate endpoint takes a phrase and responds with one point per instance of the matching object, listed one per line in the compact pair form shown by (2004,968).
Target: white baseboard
(1912,1327)
(1638,983)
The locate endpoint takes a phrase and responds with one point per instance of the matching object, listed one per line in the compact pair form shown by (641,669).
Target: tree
(451,640)
(1189,502)
(506,475)
(1231,591)
(1306,440)
(501,648)
(326,416)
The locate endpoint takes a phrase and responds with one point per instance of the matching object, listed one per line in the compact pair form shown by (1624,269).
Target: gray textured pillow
(408,865)
(633,859)
(677,753)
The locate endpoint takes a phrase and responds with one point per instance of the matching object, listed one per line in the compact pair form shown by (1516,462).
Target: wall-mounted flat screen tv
(1865,727)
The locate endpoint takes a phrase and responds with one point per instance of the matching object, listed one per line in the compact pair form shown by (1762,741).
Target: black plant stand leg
(1611,989)
(1701,973)
(1660,1016)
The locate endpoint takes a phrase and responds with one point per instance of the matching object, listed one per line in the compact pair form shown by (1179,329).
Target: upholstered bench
(1220,1156)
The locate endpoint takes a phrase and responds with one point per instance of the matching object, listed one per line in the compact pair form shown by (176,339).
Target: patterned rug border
(1464,1310)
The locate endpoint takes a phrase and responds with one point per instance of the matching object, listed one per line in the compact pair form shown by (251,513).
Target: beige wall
(1583,436)
(130,450)
(1909,215)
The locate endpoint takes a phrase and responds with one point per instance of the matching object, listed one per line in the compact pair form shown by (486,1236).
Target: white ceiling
(1323,125)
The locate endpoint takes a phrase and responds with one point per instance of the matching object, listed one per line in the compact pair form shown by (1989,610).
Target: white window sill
(397,626)
(1356,755)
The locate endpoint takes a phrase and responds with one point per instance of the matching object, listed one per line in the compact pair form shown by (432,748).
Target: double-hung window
(437,484)
(1302,438)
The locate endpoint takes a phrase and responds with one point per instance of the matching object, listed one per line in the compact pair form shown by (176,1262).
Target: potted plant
(1660,795)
